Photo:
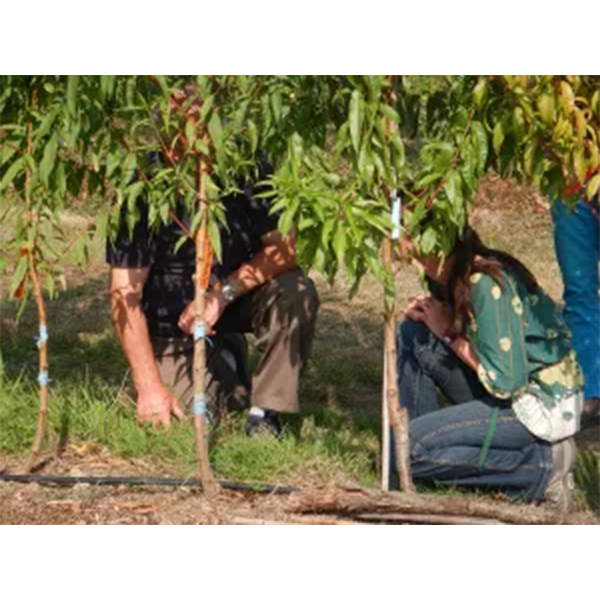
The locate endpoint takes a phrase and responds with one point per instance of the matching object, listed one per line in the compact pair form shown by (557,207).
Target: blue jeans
(446,444)
(577,241)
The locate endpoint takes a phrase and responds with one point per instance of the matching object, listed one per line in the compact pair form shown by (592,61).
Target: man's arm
(154,402)
(277,256)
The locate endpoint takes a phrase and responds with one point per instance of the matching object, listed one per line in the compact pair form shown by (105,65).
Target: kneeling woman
(497,349)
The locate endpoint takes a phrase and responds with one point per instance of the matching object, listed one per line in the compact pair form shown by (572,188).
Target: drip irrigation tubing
(67,480)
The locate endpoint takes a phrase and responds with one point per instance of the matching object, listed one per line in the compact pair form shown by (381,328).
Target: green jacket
(524,348)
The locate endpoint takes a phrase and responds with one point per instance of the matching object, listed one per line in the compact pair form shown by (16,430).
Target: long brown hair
(491,262)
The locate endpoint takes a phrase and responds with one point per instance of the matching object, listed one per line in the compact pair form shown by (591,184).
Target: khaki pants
(281,314)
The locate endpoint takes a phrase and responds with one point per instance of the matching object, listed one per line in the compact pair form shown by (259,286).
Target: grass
(91,411)
(90,405)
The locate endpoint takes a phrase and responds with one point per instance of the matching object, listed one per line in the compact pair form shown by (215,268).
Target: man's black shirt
(170,286)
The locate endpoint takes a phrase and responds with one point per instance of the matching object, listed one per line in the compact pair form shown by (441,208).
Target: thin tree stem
(41,308)
(43,365)
(203,264)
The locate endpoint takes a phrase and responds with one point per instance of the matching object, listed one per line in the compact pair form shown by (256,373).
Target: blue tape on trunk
(199,405)
(199,331)
(43,337)
(43,378)
(396,210)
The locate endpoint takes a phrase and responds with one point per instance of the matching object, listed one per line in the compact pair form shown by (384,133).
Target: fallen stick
(354,503)
(409,518)
(295,521)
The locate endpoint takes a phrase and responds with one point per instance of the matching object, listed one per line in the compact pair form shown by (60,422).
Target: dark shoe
(561,485)
(268,423)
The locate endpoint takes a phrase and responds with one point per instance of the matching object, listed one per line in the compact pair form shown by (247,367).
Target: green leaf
(356,118)
(567,96)
(498,137)
(50,287)
(202,147)
(215,239)
(286,221)
(215,130)
(190,132)
(12,172)
(579,164)
(48,160)
(389,113)
(102,226)
(60,180)
(19,275)
(252,136)
(134,191)
(399,155)
(72,88)
(593,186)
(546,108)
(4,262)
(46,124)
(480,92)
(339,244)
(453,188)
(480,145)
(6,153)
(518,123)
(428,241)
(206,107)
(444,155)
(107,86)
(276,106)
(112,162)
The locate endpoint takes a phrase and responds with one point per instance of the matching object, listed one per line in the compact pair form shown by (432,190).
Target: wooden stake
(385,433)
(398,414)
(203,265)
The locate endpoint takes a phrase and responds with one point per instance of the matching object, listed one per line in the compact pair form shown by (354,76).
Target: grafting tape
(396,210)
(200,330)
(43,378)
(43,337)
(199,405)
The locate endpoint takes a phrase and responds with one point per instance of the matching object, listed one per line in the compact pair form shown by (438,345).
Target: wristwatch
(228,292)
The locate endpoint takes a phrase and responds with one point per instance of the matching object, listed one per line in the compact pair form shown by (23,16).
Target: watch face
(228,293)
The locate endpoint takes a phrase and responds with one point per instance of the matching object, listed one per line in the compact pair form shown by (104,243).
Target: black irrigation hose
(69,481)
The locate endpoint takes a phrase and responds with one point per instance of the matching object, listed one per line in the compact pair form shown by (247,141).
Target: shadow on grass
(340,394)
(587,477)
(81,345)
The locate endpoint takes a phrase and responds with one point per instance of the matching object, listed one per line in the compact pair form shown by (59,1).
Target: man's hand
(214,306)
(157,408)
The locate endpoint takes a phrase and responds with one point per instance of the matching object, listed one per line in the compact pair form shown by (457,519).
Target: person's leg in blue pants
(447,445)
(577,240)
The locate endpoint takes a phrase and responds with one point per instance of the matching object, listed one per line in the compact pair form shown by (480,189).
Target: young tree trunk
(43,364)
(43,379)
(203,267)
